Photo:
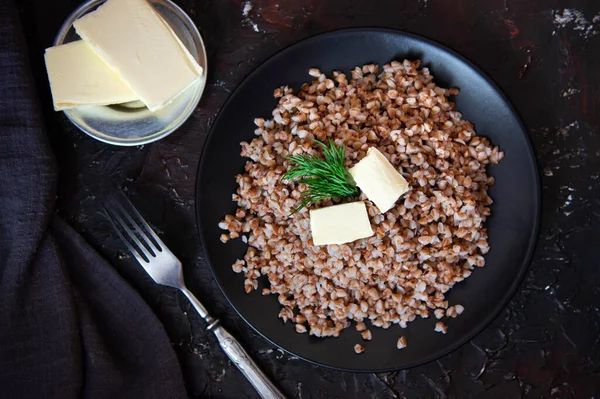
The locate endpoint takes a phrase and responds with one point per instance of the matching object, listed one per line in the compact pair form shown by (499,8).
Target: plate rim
(518,279)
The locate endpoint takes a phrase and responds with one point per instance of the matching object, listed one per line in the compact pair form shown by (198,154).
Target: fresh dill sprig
(325,178)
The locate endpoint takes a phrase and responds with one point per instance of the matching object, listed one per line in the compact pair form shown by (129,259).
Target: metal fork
(164,268)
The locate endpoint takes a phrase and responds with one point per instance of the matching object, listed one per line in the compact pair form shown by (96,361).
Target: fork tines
(139,237)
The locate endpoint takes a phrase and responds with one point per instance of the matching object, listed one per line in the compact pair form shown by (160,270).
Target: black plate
(512,227)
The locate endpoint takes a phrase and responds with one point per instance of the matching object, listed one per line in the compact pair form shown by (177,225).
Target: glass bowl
(132,123)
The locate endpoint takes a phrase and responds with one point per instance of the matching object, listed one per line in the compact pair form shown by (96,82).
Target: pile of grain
(431,240)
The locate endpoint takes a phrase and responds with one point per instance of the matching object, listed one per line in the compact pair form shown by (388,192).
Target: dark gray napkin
(70,326)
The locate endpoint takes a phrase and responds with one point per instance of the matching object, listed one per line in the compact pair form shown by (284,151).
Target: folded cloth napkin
(70,326)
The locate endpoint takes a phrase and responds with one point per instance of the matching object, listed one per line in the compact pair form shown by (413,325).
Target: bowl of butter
(127,72)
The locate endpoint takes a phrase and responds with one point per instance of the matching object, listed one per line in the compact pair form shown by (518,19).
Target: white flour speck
(247,8)
(566,208)
(247,21)
(567,129)
(574,18)
(568,201)
(571,91)
(561,20)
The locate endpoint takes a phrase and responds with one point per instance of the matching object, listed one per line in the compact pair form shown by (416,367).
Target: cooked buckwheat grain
(358,348)
(366,335)
(401,343)
(441,327)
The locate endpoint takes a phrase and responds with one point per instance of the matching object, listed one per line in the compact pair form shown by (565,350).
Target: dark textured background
(546,343)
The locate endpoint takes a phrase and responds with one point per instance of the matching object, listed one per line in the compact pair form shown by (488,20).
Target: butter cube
(379,180)
(339,224)
(137,43)
(78,76)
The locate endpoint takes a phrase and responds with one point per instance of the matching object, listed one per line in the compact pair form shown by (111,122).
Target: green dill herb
(325,178)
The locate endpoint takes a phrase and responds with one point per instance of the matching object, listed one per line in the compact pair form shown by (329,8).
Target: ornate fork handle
(235,352)
(242,360)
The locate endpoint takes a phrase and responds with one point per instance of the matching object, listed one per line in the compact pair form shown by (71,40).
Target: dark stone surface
(546,343)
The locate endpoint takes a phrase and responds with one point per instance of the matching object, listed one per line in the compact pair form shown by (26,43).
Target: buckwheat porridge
(432,238)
